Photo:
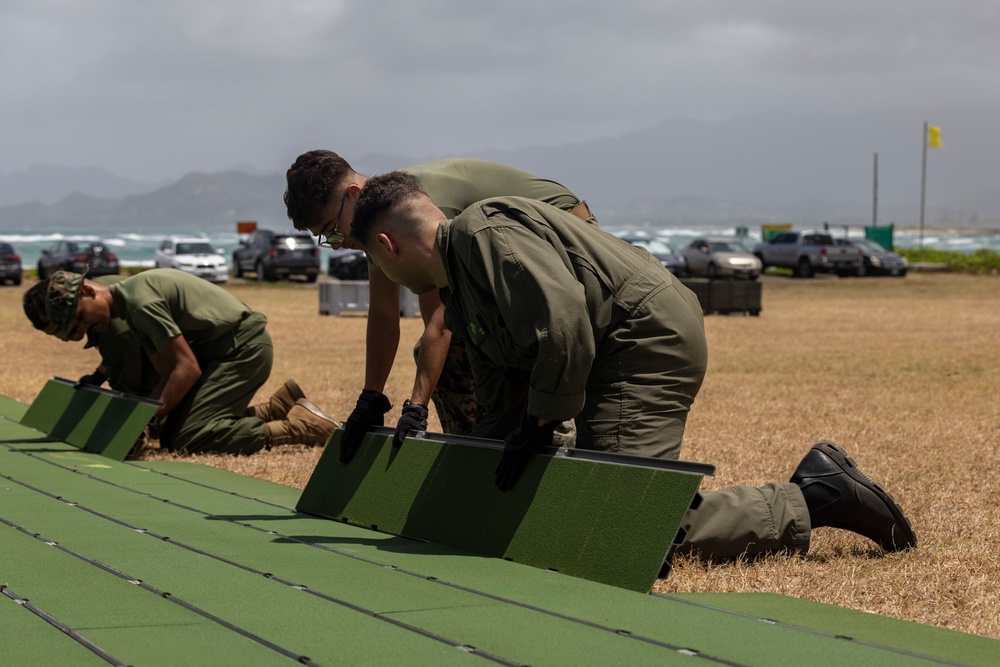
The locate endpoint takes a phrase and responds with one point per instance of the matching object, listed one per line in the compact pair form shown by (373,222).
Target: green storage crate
(726,295)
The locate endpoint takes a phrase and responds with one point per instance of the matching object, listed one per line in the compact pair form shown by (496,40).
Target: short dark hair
(34,304)
(312,181)
(379,196)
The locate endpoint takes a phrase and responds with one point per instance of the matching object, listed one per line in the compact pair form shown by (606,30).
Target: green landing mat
(12,408)
(606,518)
(97,420)
(173,563)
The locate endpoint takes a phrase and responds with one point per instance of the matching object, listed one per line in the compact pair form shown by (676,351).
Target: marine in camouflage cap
(67,306)
(61,300)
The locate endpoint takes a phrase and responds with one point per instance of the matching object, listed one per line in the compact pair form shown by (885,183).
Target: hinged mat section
(603,517)
(97,420)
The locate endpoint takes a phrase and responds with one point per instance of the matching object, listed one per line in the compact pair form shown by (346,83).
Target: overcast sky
(152,90)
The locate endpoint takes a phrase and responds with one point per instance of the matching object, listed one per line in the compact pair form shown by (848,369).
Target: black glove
(97,378)
(153,429)
(518,447)
(414,418)
(370,411)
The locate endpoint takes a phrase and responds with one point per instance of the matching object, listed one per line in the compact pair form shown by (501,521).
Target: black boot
(841,496)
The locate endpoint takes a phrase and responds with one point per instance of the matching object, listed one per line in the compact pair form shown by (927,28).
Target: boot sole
(313,408)
(906,539)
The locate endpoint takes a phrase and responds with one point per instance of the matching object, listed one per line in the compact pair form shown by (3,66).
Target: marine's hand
(370,411)
(153,429)
(518,447)
(413,418)
(97,378)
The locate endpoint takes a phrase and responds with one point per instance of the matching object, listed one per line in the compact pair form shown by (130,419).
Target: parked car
(808,252)
(80,255)
(718,256)
(661,250)
(192,255)
(347,264)
(272,255)
(876,260)
(10,264)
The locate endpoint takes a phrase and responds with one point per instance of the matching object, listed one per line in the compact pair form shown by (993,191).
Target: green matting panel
(173,563)
(12,408)
(606,518)
(96,420)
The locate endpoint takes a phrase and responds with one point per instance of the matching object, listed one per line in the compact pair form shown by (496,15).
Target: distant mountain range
(197,202)
(47,184)
(741,171)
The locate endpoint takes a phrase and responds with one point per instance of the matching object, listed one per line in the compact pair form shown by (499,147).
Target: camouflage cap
(61,300)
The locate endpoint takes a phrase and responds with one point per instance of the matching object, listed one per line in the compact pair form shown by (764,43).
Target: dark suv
(272,255)
(88,256)
(347,264)
(10,264)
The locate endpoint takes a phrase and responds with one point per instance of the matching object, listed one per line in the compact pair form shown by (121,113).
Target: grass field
(903,373)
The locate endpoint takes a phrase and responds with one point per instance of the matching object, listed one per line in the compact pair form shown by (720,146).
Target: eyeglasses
(334,237)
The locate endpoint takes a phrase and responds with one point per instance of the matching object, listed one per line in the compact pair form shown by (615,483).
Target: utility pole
(923,187)
(875,193)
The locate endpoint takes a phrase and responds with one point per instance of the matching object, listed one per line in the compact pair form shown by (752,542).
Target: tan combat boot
(305,424)
(276,407)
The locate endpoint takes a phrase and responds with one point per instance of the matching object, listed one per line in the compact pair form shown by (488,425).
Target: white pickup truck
(807,253)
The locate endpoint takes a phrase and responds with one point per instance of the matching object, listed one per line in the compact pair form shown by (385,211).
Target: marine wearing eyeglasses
(328,238)
(322,193)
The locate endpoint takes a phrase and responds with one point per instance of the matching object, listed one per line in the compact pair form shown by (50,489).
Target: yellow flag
(934,137)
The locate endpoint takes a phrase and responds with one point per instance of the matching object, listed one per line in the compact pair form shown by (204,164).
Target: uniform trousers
(644,379)
(212,416)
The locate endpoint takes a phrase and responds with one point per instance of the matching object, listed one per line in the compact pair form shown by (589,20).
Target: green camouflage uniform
(569,321)
(227,338)
(453,185)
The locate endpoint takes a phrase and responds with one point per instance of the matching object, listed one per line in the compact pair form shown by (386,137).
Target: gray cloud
(152,90)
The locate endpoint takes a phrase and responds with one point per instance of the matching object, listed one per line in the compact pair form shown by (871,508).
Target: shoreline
(135,249)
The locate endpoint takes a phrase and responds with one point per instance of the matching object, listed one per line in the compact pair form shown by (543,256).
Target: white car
(193,255)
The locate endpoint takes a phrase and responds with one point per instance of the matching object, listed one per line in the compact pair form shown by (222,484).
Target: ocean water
(137,249)
(133,249)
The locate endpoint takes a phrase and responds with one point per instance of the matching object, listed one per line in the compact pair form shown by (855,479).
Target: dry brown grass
(902,373)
